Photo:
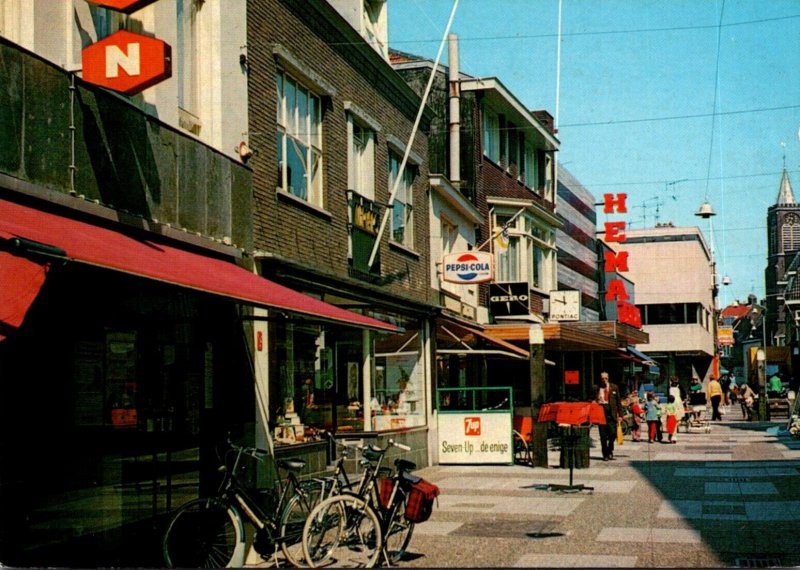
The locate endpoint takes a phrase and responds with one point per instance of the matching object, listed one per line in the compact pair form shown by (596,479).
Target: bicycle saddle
(291,464)
(404,465)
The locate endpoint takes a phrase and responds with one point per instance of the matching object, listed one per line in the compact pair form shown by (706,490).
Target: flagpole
(411,139)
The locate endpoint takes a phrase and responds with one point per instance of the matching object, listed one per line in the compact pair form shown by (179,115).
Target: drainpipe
(454,115)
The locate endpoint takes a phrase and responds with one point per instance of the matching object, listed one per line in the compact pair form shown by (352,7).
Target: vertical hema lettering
(615,231)
(609,202)
(616,261)
(116,58)
(616,291)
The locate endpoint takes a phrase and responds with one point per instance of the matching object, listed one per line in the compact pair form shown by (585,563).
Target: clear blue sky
(671,101)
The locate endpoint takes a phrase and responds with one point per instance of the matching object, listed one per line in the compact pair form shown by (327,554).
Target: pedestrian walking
(725,382)
(637,417)
(715,395)
(651,415)
(607,395)
(748,398)
(680,395)
(670,411)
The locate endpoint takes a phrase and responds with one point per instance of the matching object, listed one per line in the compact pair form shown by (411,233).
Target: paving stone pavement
(728,498)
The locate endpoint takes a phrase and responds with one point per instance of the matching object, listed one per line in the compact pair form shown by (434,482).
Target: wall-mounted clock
(565,305)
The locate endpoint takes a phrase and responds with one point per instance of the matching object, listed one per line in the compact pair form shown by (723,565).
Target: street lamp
(761,361)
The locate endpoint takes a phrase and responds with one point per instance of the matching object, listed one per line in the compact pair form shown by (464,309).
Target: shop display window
(318,380)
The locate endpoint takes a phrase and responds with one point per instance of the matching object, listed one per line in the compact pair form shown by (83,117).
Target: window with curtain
(299,140)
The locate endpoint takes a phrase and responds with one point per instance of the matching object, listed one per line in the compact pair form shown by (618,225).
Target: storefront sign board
(475,438)
(127,62)
(468,267)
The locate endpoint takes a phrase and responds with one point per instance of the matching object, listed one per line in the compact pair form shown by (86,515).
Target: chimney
(546,119)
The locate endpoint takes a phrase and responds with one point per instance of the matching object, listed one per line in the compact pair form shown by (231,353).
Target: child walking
(637,417)
(651,415)
(671,410)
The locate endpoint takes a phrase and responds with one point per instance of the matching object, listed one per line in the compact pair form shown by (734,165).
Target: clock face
(565,305)
(790,219)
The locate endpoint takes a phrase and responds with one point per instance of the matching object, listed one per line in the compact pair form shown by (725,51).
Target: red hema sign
(472,426)
(127,6)
(127,62)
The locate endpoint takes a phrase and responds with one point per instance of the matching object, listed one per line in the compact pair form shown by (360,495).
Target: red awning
(111,249)
(21,280)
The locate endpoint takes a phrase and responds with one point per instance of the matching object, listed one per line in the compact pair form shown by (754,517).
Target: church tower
(783,243)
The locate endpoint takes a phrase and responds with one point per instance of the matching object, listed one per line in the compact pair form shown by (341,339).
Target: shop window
(321,383)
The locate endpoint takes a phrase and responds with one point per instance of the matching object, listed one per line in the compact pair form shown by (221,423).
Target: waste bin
(574,440)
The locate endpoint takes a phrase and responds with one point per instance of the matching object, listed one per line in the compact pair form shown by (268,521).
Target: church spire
(785,194)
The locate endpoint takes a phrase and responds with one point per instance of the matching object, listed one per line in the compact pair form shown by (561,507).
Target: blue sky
(657,99)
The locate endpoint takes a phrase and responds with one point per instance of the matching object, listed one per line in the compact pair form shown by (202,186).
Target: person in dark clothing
(608,396)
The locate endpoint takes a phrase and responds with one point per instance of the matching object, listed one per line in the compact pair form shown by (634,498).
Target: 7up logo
(472,426)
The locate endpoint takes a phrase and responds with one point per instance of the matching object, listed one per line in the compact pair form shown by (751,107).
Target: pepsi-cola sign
(469,267)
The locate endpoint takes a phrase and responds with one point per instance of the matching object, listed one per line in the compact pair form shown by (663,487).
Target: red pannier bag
(420,501)
(386,487)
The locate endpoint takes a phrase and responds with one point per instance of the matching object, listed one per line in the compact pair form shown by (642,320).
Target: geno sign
(127,62)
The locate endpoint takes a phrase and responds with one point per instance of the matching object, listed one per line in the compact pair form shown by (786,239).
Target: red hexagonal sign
(127,62)
(127,6)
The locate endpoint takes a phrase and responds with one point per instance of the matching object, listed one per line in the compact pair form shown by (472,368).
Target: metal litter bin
(574,443)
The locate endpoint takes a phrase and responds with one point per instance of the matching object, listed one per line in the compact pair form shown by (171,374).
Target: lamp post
(761,361)
(761,364)
(707,212)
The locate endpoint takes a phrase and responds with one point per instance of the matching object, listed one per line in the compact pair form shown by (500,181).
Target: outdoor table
(567,416)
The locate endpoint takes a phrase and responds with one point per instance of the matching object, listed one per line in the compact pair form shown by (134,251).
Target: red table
(572,413)
(568,415)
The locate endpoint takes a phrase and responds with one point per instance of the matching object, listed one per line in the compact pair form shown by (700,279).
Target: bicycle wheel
(398,534)
(342,531)
(294,518)
(204,533)
(626,429)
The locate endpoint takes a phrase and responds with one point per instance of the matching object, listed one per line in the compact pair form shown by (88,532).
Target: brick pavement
(727,498)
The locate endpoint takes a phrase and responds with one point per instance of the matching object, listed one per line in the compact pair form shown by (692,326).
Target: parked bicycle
(357,529)
(210,532)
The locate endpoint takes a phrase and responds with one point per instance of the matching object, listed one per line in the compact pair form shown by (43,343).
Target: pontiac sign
(469,267)
(127,62)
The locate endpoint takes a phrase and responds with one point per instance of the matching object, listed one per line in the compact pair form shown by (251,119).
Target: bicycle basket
(420,501)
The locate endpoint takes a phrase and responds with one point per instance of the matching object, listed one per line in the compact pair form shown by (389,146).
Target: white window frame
(403,206)
(299,130)
(362,133)
(519,262)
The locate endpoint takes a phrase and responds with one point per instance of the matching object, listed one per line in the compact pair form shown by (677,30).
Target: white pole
(411,138)
(558,67)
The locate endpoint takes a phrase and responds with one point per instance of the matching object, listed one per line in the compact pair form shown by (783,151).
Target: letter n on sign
(127,62)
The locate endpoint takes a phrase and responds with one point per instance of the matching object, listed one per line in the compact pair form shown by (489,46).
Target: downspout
(454,116)
(72,166)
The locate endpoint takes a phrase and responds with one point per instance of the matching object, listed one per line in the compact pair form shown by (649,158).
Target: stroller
(696,413)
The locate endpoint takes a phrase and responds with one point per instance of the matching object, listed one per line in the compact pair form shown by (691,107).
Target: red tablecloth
(572,413)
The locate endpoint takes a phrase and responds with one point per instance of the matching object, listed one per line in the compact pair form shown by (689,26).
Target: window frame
(305,133)
(403,199)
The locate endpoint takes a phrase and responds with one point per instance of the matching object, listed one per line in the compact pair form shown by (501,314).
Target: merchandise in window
(398,381)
